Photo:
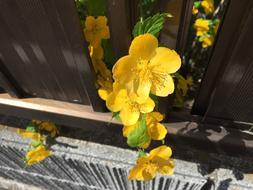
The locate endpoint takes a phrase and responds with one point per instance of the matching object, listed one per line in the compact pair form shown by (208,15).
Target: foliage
(151,25)
(39,132)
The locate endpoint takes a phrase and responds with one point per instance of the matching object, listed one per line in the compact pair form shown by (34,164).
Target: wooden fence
(45,63)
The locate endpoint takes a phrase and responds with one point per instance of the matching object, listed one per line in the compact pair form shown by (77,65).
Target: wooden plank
(51,106)
(119,23)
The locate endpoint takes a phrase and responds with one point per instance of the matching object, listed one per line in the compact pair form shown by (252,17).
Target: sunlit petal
(143,46)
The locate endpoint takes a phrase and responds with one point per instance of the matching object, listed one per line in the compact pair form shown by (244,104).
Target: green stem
(141,11)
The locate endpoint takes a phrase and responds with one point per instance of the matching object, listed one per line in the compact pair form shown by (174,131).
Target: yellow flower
(207,41)
(96,30)
(156,130)
(50,127)
(147,68)
(28,134)
(36,155)
(183,84)
(208,6)
(105,87)
(194,10)
(96,52)
(157,161)
(119,101)
(202,26)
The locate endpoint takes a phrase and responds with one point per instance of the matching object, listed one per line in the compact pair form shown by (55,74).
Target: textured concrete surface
(85,165)
(96,158)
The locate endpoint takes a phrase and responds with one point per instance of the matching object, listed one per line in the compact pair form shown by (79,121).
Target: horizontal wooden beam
(45,109)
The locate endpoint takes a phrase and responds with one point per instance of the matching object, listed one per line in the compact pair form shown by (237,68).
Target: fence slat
(120,29)
(43,47)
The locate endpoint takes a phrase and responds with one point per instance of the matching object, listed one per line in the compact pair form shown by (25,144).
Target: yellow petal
(165,61)
(104,32)
(101,21)
(128,129)
(208,41)
(163,151)
(122,70)
(103,93)
(96,41)
(89,22)
(116,100)
(98,52)
(162,84)
(166,167)
(154,116)
(136,172)
(194,10)
(128,115)
(149,172)
(143,46)
(89,36)
(143,86)
(147,106)
(157,131)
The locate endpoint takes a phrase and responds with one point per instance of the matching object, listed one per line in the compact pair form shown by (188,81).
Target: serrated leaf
(152,25)
(138,136)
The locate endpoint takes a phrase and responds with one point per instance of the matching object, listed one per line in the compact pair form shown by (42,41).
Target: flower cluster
(129,91)
(38,132)
(205,26)
(146,70)
(95,31)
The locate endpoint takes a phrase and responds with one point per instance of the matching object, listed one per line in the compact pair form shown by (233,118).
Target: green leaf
(115,115)
(31,127)
(35,144)
(108,53)
(152,25)
(141,153)
(139,136)
(96,7)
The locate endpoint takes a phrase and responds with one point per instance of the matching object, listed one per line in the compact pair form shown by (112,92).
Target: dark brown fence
(43,52)
(226,92)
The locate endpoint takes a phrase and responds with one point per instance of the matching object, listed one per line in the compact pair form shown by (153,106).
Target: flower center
(151,167)
(95,29)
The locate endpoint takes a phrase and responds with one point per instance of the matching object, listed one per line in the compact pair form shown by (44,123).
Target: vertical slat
(6,85)
(226,90)
(80,51)
(120,29)
(185,19)
(43,48)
